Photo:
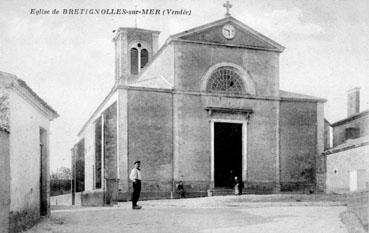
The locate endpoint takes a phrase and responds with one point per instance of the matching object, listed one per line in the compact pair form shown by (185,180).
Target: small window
(134,61)
(144,57)
(352,133)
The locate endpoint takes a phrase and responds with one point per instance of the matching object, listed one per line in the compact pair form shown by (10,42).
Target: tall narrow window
(144,57)
(98,153)
(134,61)
(80,166)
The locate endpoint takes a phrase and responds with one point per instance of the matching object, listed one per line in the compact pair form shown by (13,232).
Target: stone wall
(358,203)
(110,142)
(93,198)
(321,173)
(150,138)
(193,139)
(192,123)
(298,142)
(24,219)
(193,60)
(4,181)
(191,143)
(110,153)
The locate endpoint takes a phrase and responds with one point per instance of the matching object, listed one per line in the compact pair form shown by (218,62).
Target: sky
(68,60)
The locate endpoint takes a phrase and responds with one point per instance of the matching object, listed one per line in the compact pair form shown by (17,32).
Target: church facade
(204,108)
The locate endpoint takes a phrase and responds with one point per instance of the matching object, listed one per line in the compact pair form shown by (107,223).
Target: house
(347,162)
(24,154)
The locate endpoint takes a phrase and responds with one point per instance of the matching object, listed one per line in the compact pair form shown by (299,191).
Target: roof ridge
(298,95)
(21,83)
(359,114)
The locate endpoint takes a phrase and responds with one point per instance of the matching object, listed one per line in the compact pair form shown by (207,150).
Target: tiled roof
(351,118)
(349,144)
(292,95)
(155,82)
(23,84)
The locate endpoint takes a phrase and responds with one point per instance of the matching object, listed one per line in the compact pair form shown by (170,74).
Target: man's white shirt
(135,174)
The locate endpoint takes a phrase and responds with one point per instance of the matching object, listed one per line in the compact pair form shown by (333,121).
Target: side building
(347,162)
(24,154)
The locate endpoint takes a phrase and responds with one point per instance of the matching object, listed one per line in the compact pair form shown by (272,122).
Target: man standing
(238,186)
(135,176)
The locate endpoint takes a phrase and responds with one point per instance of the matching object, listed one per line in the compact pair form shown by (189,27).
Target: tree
(62,173)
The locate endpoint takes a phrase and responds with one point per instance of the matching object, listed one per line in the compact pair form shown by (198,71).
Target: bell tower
(134,48)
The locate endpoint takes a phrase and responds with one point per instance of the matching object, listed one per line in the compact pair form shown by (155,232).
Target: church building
(204,108)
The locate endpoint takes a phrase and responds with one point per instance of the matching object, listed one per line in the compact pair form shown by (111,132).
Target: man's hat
(138,161)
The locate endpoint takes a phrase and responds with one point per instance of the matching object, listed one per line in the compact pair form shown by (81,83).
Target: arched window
(144,57)
(225,79)
(139,58)
(134,61)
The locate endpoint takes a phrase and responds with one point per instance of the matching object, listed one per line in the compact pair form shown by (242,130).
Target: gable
(244,35)
(11,81)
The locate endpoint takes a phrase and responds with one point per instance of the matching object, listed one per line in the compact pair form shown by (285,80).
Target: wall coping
(347,147)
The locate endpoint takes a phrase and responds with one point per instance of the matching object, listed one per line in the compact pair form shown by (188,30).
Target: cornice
(203,93)
(223,45)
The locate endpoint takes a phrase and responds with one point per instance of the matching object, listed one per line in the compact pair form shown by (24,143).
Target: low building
(347,162)
(356,123)
(24,154)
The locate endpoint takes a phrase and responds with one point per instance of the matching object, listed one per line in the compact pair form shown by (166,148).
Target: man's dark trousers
(136,192)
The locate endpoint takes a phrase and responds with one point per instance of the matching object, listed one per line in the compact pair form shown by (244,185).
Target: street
(211,214)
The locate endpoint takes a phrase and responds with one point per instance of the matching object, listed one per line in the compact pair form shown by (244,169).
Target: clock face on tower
(228,31)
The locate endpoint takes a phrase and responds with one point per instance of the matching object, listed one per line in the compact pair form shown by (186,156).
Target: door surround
(244,146)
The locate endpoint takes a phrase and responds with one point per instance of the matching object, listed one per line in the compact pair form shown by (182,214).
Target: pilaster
(123,140)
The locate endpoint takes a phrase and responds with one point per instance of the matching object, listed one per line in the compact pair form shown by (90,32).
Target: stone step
(222,191)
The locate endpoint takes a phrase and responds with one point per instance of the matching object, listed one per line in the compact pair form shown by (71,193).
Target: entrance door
(227,153)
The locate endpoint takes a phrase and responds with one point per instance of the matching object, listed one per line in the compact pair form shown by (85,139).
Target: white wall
(89,136)
(25,123)
(343,163)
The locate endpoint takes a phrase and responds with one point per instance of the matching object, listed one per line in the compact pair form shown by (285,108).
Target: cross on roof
(227,5)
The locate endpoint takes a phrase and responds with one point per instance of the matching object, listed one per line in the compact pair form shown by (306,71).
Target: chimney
(353,101)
